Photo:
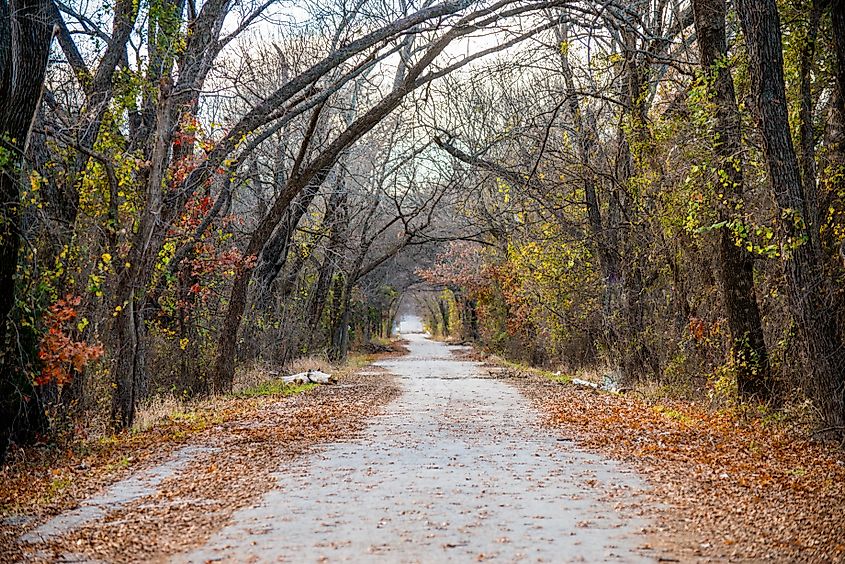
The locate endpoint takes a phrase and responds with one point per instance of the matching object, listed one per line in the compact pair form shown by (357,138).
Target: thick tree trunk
(812,303)
(128,361)
(25,37)
(736,265)
(837,14)
(224,368)
(835,152)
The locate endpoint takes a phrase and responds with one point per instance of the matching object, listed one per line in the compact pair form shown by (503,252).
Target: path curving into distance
(458,469)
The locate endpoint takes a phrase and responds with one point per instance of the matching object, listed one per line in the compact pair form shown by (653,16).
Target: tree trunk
(128,362)
(340,328)
(809,293)
(807,157)
(224,368)
(443,306)
(837,14)
(469,316)
(627,298)
(25,37)
(736,265)
(275,253)
(604,244)
(336,219)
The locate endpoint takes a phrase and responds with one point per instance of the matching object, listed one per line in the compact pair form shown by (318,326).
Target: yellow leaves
(95,284)
(35,181)
(564,47)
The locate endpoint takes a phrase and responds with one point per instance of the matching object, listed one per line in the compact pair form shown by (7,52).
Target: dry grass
(253,374)
(253,377)
(155,410)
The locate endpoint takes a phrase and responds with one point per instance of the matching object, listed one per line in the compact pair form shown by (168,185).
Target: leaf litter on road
(249,444)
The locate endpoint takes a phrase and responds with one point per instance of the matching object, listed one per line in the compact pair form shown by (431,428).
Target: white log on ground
(310,377)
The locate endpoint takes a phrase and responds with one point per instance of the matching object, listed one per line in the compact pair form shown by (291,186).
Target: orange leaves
(701,330)
(761,488)
(59,353)
(697,328)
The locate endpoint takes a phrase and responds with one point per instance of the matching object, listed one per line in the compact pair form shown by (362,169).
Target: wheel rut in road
(459,468)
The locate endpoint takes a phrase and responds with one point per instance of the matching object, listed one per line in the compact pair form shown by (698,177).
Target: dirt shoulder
(734,488)
(241,441)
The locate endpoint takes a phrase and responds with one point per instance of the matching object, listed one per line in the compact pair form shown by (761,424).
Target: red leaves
(697,328)
(59,353)
(213,256)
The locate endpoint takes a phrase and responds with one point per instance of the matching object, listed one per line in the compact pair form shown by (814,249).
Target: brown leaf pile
(253,438)
(739,488)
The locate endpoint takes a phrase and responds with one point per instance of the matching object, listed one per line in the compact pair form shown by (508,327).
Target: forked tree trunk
(736,265)
(812,302)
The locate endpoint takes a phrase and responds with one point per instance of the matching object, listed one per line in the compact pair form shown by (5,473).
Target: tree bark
(810,297)
(736,265)
(837,14)
(25,37)
(807,157)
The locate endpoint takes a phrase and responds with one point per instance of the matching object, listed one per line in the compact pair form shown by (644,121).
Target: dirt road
(457,469)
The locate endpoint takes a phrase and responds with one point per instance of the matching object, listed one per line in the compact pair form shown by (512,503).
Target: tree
(815,313)
(25,37)
(413,77)
(736,265)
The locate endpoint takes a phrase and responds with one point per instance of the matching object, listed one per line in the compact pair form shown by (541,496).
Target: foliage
(60,354)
